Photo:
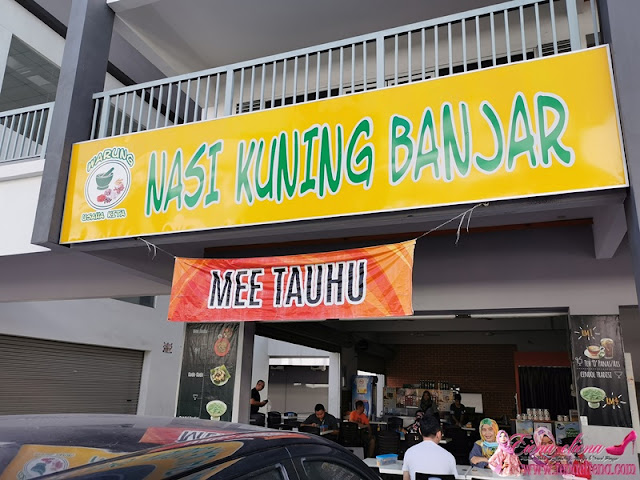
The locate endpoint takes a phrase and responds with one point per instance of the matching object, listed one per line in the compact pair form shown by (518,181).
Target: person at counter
(322,419)
(486,446)
(255,401)
(427,405)
(457,410)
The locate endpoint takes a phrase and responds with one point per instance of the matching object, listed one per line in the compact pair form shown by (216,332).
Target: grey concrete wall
(537,268)
(286,396)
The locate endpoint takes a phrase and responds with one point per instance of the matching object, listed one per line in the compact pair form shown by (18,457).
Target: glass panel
(29,79)
(325,470)
(271,473)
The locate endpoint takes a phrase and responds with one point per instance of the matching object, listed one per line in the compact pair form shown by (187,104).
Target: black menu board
(208,371)
(599,370)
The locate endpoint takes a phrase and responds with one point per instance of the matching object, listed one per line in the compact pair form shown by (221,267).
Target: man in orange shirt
(358,416)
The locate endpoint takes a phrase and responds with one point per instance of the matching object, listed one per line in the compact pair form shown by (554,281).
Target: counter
(406,421)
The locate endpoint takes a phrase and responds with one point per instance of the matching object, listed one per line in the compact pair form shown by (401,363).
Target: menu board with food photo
(599,370)
(208,368)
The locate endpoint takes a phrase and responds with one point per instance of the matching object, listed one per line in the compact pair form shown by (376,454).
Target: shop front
(439,233)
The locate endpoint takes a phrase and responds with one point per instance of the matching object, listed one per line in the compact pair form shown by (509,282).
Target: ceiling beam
(401,237)
(609,228)
(120,6)
(403,222)
(308,334)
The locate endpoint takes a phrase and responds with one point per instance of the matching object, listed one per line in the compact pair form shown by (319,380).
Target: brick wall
(486,369)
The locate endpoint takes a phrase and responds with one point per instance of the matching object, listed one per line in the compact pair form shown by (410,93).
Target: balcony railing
(510,32)
(24,132)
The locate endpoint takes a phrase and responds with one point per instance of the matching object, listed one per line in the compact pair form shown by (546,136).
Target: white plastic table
(396,468)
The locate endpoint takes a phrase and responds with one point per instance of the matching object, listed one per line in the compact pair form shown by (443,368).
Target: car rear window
(328,470)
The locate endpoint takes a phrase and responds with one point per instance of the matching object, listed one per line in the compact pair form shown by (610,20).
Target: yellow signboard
(541,127)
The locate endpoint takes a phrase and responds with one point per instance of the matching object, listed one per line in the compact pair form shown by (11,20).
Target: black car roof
(131,433)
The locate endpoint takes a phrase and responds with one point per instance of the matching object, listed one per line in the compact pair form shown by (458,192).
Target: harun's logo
(109,178)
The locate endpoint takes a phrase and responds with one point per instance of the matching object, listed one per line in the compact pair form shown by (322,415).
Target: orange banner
(358,283)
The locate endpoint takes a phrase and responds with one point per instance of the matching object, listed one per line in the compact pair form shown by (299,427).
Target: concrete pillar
(349,368)
(82,73)
(244,368)
(618,22)
(333,405)
(261,368)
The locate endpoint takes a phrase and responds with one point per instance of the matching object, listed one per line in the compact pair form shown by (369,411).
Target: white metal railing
(24,132)
(499,34)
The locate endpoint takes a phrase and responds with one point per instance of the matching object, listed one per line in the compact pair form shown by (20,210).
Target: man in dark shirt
(255,402)
(457,411)
(322,419)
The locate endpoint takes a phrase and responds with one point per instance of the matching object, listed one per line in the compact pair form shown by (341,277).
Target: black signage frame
(600,376)
(208,370)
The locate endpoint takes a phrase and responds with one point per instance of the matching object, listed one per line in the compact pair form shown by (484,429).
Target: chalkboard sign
(599,371)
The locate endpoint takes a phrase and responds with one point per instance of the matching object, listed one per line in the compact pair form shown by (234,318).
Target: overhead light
(489,314)
(300,361)
(38,80)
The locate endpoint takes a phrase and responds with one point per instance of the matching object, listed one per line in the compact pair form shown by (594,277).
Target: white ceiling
(190,35)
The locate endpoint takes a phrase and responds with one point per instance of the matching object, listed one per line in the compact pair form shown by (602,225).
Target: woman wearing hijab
(428,406)
(486,446)
(504,461)
(547,452)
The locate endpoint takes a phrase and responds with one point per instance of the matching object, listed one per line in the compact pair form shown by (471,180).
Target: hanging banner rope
(358,283)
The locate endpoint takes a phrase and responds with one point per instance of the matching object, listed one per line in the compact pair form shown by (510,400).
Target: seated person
(322,420)
(547,452)
(457,411)
(428,456)
(415,426)
(358,416)
(484,448)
